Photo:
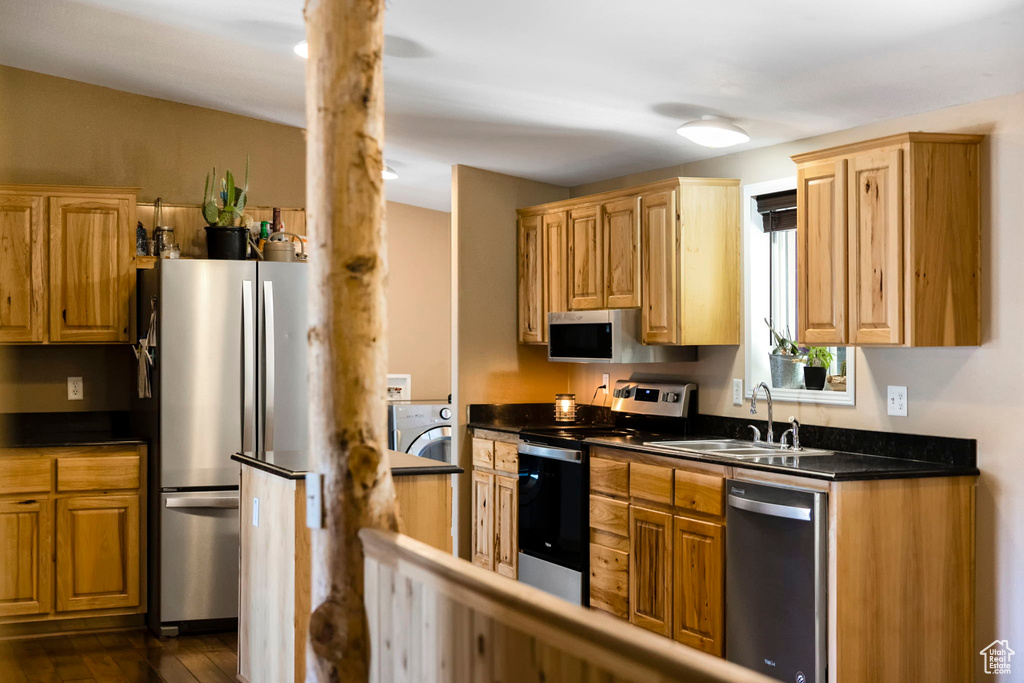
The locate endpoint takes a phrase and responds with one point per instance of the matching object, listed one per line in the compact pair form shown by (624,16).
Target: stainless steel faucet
(793,431)
(770,436)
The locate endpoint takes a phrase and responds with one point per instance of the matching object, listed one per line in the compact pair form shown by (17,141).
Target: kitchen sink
(735,448)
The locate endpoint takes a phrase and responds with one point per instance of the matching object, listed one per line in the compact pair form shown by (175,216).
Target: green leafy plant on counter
(784,346)
(818,357)
(232,198)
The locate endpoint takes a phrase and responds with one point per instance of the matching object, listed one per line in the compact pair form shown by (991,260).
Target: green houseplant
(783,361)
(817,360)
(225,238)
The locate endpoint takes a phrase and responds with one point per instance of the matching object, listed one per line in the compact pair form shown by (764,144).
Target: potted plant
(783,361)
(817,360)
(225,238)
(838,382)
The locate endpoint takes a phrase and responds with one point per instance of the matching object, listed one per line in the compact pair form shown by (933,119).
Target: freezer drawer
(199,556)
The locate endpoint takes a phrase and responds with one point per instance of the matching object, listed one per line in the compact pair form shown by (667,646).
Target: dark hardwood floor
(119,657)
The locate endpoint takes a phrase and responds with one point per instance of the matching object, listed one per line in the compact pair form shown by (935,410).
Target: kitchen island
(275,550)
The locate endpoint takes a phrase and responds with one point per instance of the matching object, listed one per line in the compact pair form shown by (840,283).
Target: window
(770,275)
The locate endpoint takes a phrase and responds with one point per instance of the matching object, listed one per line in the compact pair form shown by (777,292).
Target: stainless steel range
(554,482)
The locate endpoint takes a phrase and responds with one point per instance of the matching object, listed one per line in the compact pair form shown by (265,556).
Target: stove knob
(670,397)
(446,414)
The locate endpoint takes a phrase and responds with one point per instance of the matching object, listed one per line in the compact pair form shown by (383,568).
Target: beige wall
(490,365)
(964,392)
(53,130)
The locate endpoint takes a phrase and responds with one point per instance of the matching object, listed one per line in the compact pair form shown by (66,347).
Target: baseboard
(54,627)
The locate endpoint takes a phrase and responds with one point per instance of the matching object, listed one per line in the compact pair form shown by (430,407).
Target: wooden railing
(434,617)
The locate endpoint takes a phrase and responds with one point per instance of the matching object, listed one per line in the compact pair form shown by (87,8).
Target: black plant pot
(230,243)
(814,378)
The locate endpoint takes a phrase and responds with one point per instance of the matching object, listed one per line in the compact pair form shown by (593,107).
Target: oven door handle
(565,454)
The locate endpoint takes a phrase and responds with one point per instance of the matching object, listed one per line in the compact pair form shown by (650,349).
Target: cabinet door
(22,268)
(876,248)
(698,578)
(586,260)
(26,541)
(556,261)
(660,251)
(621,228)
(483,520)
(822,253)
(91,245)
(506,534)
(532,317)
(650,569)
(97,552)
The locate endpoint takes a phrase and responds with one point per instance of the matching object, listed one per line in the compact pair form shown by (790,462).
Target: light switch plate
(314,500)
(737,392)
(76,390)
(897,402)
(255,511)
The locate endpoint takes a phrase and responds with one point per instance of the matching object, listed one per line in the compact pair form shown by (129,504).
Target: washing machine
(422,428)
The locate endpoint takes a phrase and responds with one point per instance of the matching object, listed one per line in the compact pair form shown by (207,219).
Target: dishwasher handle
(224,502)
(761,507)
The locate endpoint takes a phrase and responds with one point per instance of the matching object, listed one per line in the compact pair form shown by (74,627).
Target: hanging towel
(144,353)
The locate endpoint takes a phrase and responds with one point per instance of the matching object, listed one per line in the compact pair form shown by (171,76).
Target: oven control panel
(663,399)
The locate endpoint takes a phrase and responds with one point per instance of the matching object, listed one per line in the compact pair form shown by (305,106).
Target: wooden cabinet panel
(609,580)
(876,247)
(698,584)
(532,316)
(610,477)
(91,280)
(506,534)
(621,228)
(650,482)
(483,520)
(556,260)
(28,474)
(650,569)
(700,492)
(611,516)
(660,254)
(97,552)
(822,252)
(506,457)
(483,453)
(26,581)
(586,260)
(98,473)
(23,283)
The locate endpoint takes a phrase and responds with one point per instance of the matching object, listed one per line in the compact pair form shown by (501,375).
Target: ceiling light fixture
(713,131)
(388,173)
(302,49)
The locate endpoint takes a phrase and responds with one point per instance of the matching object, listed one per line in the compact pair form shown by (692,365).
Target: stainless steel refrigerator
(229,374)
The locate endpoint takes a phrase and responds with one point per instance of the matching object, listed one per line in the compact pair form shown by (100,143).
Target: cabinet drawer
(611,516)
(650,482)
(609,580)
(700,492)
(609,477)
(506,457)
(98,473)
(483,453)
(29,474)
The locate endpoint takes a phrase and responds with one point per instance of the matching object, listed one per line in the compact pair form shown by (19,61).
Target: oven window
(551,510)
(587,340)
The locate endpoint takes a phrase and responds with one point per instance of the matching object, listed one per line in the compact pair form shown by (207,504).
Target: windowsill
(835,398)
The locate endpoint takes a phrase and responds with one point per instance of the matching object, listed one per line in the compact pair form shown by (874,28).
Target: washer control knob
(446,414)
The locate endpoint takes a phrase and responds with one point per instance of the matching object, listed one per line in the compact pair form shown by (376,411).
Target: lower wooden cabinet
(698,568)
(650,571)
(26,577)
(483,520)
(506,532)
(609,580)
(495,542)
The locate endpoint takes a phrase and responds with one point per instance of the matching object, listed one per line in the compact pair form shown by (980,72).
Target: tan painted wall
(489,365)
(964,392)
(53,130)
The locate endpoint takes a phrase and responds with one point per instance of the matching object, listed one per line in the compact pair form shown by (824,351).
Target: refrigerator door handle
(269,332)
(227,502)
(248,367)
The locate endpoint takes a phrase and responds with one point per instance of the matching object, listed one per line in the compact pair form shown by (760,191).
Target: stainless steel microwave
(611,336)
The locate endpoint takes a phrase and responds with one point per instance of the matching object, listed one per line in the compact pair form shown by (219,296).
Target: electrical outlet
(76,390)
(255,511)
(737,392)
(897,401)
(604,380)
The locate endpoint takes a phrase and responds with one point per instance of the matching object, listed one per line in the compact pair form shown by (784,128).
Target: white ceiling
(563,91)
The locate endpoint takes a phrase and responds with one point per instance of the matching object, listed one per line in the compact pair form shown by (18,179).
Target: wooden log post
(345,212)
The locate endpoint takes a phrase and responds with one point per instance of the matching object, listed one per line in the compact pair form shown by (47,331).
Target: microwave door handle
(761,507)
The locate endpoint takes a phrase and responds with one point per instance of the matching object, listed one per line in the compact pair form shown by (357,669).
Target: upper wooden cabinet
(83,291)
(889,242)
(671,248)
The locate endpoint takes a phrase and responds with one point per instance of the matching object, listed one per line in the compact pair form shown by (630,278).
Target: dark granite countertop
(295,464)
(69,439)
(45,430)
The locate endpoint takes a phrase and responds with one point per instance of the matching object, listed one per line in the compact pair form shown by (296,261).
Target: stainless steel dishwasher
(776,581)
